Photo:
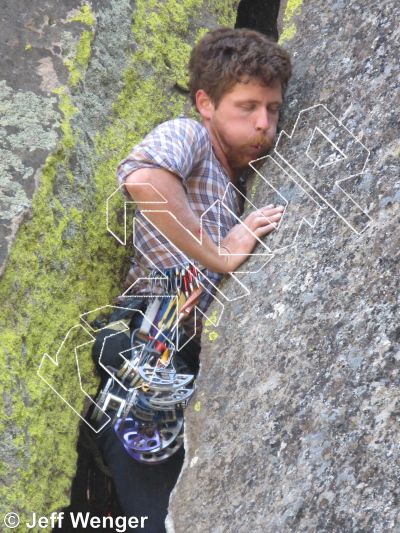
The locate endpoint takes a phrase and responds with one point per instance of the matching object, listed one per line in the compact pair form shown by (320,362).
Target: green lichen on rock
(61,277)
(157,66)
(225,12)
(84,15)
(64,262)
(293,8)
(68,110)
(79,62)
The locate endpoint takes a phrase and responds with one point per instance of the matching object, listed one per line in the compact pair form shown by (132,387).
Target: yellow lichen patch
(59,90)
(213,335)
(212,320)
(68,110)
(288,33)
(256,183)
(80,60)
(197,406)
(200,33)
(293,8)
(226,12)
(84,15)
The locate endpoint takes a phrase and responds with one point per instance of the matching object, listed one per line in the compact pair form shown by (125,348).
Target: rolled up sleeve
(172,146)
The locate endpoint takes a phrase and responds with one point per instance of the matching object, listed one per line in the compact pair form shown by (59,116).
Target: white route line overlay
(337,182)
(287,201)
(57,364)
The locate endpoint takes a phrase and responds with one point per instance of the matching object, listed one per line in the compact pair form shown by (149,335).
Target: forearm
(161,198)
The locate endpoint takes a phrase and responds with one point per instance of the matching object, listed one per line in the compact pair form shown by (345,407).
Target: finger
(265,220)
(277,209)
(264,230)
(263,211)
(270,211)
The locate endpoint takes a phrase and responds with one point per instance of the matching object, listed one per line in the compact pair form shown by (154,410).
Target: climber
(237,81)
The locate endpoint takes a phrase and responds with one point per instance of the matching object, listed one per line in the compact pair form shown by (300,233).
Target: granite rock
(294,426)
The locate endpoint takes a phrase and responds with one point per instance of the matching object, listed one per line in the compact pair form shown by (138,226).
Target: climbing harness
(146,396)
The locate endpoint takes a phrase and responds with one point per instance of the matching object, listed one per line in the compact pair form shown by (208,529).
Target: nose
(262,123)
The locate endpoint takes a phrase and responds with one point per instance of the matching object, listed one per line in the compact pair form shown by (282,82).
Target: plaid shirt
(182,146)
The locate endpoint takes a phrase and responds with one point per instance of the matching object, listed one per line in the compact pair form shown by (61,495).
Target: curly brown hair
(225,56)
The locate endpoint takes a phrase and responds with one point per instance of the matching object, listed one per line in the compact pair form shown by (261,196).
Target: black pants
(143,490)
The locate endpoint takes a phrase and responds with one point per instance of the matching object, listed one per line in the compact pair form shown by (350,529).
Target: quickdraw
(148,409)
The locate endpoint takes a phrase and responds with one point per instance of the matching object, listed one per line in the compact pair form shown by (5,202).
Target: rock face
(83,83)
(38,40)
(295,422)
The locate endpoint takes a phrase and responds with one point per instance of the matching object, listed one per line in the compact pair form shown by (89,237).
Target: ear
(204,104)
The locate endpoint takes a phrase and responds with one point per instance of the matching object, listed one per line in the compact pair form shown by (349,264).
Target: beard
(240,156)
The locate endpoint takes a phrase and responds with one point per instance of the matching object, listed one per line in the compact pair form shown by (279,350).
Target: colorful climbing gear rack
(146,396)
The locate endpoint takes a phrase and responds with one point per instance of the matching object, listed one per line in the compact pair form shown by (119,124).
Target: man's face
(243,126)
